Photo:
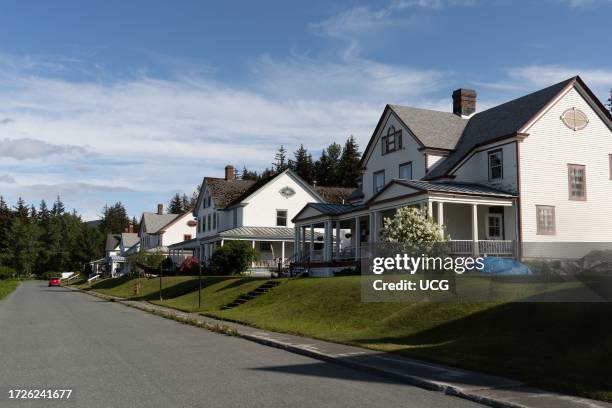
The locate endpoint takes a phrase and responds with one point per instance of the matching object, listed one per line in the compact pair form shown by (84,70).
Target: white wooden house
(528,178)
(158,231)
(259,213)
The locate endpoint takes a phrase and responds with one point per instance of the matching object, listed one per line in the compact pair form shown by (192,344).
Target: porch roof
(189,244)
(281,233)
(455,188)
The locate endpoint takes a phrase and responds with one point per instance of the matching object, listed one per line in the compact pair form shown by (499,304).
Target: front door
(495,226)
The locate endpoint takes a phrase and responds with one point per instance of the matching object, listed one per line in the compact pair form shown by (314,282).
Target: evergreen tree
(326,171)
(21,209)
(114,219)
(176,205)
(186,203)
(135,224)
(610,101)
(58,207)
(349,166)
(302,164)
(280,160)
(249,175)
(23,245)
(5,224)
(33,213)
(43,212)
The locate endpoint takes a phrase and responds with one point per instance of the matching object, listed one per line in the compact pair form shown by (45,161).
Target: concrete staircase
(262,289)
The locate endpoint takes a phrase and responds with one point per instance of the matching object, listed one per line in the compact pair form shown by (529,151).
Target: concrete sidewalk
(486,389)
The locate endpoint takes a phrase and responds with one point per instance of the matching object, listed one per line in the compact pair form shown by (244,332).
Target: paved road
(115,356)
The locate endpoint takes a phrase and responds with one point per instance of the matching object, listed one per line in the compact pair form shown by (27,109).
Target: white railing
(265,263)
(345,253)
(460,247)
(496,247)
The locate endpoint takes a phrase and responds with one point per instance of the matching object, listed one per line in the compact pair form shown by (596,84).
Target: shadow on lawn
(563,346)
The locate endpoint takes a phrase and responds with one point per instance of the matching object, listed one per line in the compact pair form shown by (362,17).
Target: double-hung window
(405,171)
(281,218)
(545,219)
(576,174)
(496,164)
(379,181)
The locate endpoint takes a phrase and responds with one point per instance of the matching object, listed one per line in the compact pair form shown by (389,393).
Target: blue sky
(132,101)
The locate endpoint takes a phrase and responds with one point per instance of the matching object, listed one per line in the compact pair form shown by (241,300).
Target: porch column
(429,209)
(441,218)
(282,250)
(357,238)
(337,239)
(312,240)
(373,226)
(296,241)
(222,241)
(475,250)
(329,241)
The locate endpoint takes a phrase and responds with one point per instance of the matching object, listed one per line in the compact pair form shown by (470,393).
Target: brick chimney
(229,172)
(130,227)
(160,209)
(464,102)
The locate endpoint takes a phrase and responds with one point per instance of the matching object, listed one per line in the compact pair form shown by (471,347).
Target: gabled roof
(224,192)
(154,222)
(435,129)
(112,241)
(498,122)
(336,195)
(129,238)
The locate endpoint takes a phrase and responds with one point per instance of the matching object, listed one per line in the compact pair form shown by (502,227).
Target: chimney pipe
(160,209)
(464,102)
(229,172)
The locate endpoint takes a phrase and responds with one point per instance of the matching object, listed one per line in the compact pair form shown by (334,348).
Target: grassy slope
(180,292)
(562,346)
(557,345)
(7,286)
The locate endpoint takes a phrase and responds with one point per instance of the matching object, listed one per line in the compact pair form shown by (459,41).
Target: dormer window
(392,141)
(496,165)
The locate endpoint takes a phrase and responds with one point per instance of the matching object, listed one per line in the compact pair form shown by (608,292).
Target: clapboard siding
(476,168)
(544,156)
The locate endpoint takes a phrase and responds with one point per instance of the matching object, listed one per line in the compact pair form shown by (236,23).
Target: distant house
(259,213)
(159,230)
(528,178)
(114,262)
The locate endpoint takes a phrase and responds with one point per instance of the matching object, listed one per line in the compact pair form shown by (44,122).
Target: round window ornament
(574,119)
(287,192)
(192,223)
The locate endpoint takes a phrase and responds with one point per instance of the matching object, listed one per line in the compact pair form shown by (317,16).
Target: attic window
(392,141)
(574,119)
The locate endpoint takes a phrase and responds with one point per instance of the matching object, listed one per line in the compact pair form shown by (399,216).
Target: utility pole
(200,284)
(161,271)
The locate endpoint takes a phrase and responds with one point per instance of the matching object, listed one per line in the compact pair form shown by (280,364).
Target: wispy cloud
(7,179)
(574,4)
(26,148)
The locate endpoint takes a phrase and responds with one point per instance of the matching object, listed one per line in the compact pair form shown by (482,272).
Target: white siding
(544,156)
(476,168)
(260,210)
(176,232)
(432,160)
(390,162)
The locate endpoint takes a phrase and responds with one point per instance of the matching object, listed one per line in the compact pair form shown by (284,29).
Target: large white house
(256,212)
(531,177)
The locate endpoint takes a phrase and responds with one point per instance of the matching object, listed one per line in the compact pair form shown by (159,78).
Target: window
(392,141)
(208,222)
(546,219)
(235,217)
(576,174)
(496,160)
(186,237)
(265,246)
(405,171)
(214,225)
(379,181)
(574,119)
(203,223)
(281,218)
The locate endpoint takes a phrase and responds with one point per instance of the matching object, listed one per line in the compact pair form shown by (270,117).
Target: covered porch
(475,221)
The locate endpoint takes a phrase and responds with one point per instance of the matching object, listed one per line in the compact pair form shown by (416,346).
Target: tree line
(38,239)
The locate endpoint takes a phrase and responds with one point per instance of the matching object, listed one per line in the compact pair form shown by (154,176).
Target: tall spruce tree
(280,160)
(326,171)
(114,219)
(176,205)
(610,101)
(349,167)
(302,164)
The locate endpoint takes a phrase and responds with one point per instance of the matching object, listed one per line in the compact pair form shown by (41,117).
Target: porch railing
(496,247)
(460,247)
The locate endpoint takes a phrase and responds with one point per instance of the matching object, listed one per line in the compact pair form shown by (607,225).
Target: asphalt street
(111,355)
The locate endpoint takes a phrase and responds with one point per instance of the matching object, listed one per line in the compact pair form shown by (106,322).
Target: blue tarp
(503,266)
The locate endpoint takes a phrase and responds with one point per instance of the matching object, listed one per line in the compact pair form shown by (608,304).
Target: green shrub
(6,272)
(51,274)
(232,259)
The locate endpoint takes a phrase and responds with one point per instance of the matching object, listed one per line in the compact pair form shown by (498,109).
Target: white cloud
(583,3)
(599,80)
(26,148)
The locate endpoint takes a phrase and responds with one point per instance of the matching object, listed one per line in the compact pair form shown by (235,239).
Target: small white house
(529,178)
(259,213)
(158,230)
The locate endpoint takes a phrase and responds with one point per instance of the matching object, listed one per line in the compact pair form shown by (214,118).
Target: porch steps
(260,290)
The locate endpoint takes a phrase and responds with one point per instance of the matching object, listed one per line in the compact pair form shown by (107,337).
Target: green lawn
(7,286)
(181,292)
(561,346)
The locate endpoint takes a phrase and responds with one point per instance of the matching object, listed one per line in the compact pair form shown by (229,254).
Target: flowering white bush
(412,227)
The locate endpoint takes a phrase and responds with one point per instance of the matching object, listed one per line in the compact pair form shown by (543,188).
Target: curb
(188,318)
